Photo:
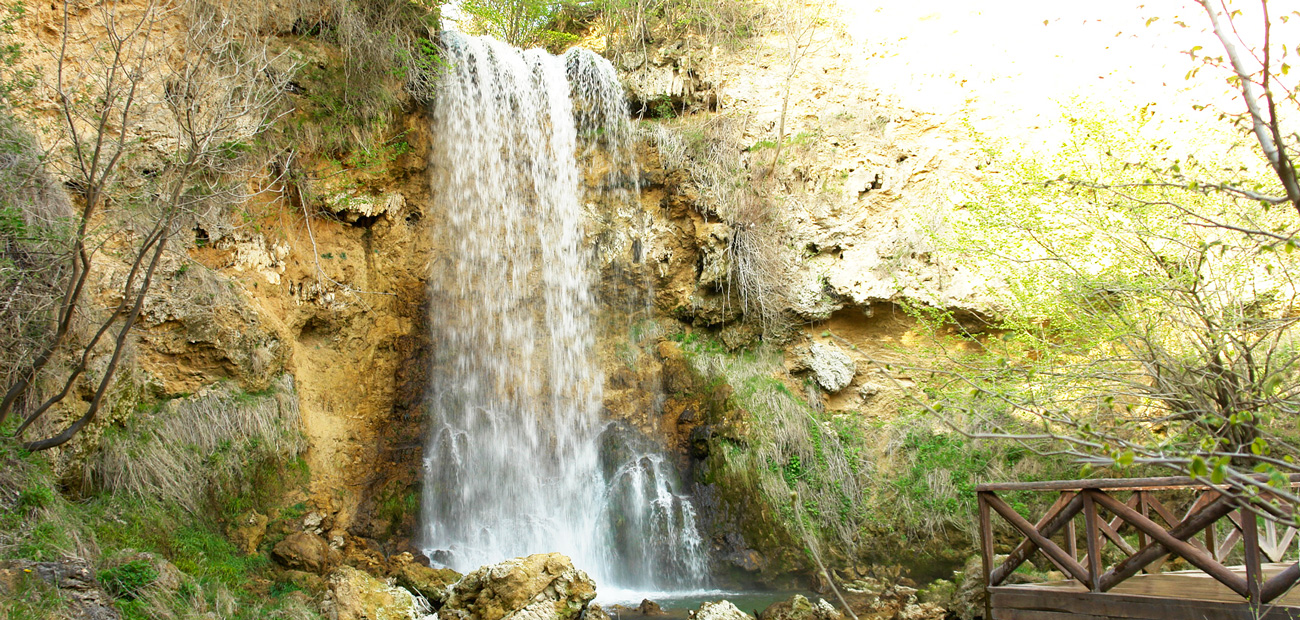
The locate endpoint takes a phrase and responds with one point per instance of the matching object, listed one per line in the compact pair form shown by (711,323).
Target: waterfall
(518,459)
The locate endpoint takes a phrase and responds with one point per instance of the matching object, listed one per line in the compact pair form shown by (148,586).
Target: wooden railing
(1218,519)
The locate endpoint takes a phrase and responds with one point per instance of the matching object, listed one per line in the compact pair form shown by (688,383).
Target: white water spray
(518,460)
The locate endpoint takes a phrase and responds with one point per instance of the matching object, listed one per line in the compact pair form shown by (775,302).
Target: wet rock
(830,366)
(800,608)
(747,560)
(698,446)
(247,531)
(650,608)
(305,551)
(594,612)
(721,610)
(544,586)
(677,375)
(433,584)
(356,595)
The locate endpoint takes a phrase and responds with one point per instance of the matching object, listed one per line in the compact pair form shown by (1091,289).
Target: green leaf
(1259,446)
(1198,468)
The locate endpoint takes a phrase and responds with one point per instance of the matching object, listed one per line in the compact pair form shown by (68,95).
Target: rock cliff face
(325,277)
(320,272)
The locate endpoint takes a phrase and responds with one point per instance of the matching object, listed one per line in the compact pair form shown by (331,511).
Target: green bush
(128,579)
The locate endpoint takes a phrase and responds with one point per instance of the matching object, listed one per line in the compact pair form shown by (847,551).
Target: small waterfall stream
(518,460)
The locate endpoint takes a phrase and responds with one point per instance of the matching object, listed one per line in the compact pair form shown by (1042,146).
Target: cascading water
(518,459)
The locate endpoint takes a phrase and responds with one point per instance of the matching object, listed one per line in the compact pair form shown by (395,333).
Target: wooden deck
(1126,542)
(1181,595)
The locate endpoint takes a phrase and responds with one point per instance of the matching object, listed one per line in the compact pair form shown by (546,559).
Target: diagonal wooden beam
(1171,520)
(1189,526)
(1062,512)
(1285,544)
(1049,548)
(1172,542)
(1228,543)
(1280,583)
(1116,538)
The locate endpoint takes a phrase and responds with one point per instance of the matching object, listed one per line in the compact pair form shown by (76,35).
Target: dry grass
(175,452)
(33,213)
(760,264)
(790,449)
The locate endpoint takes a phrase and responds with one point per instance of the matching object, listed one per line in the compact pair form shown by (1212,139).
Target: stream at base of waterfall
(518,459)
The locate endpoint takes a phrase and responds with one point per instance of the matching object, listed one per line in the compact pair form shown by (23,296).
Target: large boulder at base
(544,586)
(305,551)
(431,583)
(800,608)
(721,610)
(356,595)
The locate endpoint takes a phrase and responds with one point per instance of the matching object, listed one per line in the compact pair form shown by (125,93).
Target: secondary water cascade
(519,460)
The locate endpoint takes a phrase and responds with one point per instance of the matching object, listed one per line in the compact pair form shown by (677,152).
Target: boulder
(247,531)
(544,586)
(433,584)
(800,608)
(594,612)
(356,595)
(830,366)
(650,608)
(721,610)
(305,551)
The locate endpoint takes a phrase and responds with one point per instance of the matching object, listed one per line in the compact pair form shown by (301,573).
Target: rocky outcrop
(830,366)
(74,579)
(669,80)
(538,587)
(356,595)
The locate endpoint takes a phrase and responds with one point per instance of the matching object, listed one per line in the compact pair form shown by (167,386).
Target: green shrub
(128,579)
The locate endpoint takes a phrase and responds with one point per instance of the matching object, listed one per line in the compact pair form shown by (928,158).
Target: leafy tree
(129,198)
(1148,301)
(522,23)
